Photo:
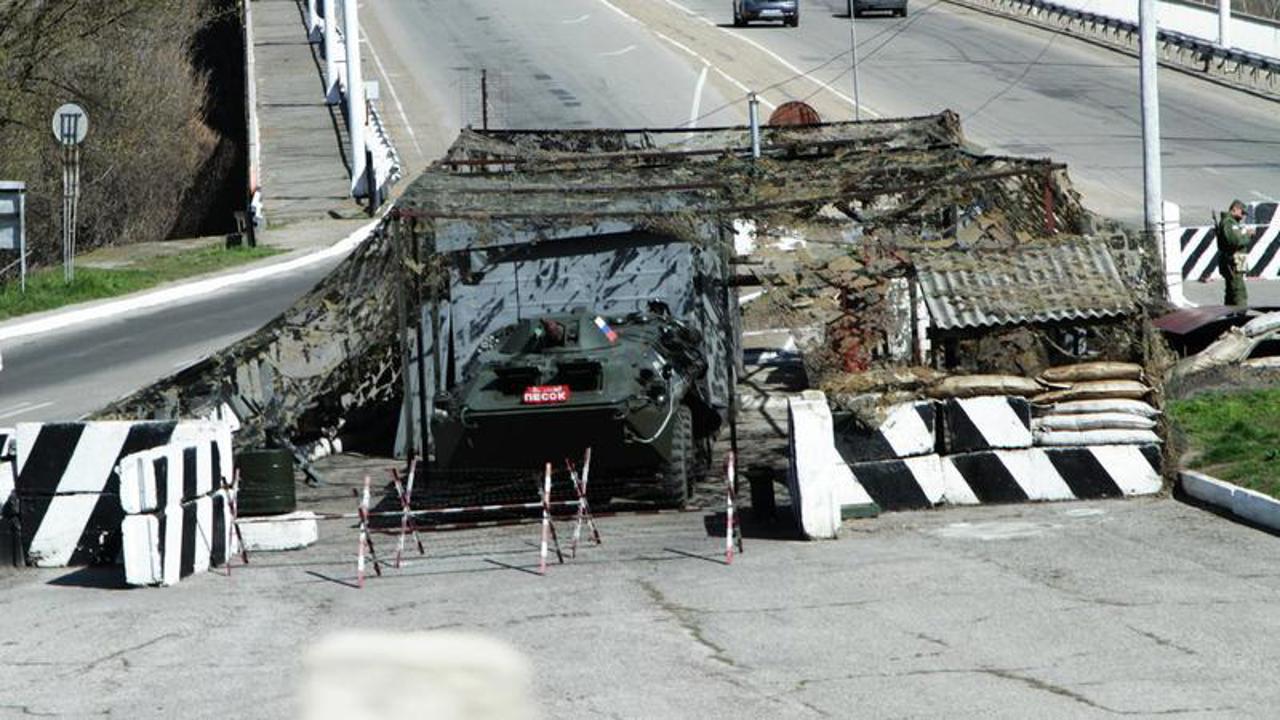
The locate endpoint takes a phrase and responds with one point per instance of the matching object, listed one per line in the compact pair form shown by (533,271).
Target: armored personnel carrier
(542,389)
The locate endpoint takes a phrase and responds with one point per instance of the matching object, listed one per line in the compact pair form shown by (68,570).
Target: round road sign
(70,124)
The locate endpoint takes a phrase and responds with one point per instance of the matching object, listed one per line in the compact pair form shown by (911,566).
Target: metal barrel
(266,483)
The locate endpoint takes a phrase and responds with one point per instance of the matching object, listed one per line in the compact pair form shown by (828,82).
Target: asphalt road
(1018,91)
(66,374)
(1143,607)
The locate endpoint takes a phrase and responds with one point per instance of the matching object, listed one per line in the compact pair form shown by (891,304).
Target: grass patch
(46,289)
(1234,436)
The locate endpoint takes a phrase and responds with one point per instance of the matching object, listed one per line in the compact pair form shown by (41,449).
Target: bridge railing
(1188,36)
(374,163)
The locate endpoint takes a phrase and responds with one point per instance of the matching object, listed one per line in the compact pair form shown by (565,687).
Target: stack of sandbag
(1094,403)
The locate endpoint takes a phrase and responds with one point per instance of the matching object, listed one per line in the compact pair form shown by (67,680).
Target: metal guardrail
(387,166)
(1239,69)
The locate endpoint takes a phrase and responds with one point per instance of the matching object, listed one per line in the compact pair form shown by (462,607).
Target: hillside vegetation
(132,65)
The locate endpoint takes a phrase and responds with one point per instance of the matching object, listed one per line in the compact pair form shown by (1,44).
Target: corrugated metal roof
(1068,281)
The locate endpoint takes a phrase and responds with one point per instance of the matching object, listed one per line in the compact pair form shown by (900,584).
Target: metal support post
(1153,203)
(753,112)
(484,99)
(1224,23)
(22,240)
(853,52)
(70,199)
(332,93)
(356,110)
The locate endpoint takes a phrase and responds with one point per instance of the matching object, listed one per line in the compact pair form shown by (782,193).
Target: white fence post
(332,93)
(1224,23)
(313,21)
(356,110)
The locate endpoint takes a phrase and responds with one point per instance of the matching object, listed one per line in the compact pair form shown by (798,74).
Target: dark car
(858,8)
(788,11)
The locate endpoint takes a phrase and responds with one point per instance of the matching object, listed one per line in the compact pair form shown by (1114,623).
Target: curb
(1246,504)
(182,292)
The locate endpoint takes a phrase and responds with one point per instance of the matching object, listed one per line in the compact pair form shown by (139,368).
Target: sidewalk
(303,169)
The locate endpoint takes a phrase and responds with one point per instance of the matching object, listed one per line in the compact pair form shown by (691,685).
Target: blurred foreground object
(368,674)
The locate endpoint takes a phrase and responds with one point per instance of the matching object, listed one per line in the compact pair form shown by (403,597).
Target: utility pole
(853,53)
(355,98)
(1153,200)
(1224,23)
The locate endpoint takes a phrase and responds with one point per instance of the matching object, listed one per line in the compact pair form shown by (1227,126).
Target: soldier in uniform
(1233,250)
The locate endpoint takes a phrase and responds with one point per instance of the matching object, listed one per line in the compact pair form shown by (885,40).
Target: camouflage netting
(865,200)
(331,358)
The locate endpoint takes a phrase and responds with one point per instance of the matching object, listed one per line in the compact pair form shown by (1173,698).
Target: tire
(793,21)
(676,474)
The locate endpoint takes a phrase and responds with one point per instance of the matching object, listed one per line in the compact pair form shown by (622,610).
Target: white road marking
(14,407)
(781,60)
(576,20)
(731,79)
(1261,196)
(618,10)
(1212,171)
(616,53)
(697,96)
(395,97)
(24,408)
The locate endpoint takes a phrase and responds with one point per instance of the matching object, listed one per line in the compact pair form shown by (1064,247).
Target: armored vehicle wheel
(675,474)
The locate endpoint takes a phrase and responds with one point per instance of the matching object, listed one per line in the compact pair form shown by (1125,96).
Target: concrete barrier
(823,489)
(68,484)
(1244,503)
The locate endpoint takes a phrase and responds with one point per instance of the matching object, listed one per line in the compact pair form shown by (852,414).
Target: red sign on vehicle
(546,394)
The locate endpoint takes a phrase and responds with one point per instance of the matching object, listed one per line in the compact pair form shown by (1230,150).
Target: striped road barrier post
(732,533)
(233,493)
(584,507)
(548,528)
(407,525)
(366,541)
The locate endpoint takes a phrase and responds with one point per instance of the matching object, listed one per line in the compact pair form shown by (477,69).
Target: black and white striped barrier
(1200,252)
(171,475)
(179,517)
(10,545)
(822,489)
(985,423)
(1005,476)
(909,429)
(8,459)
(162,547)
(68,486)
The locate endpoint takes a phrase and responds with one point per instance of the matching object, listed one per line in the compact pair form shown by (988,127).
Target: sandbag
(1090,371)
(1229,349)
(965,386)
(1085,422)
(1095,390)
(1075,407)
(1262,325)
(1061,438)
